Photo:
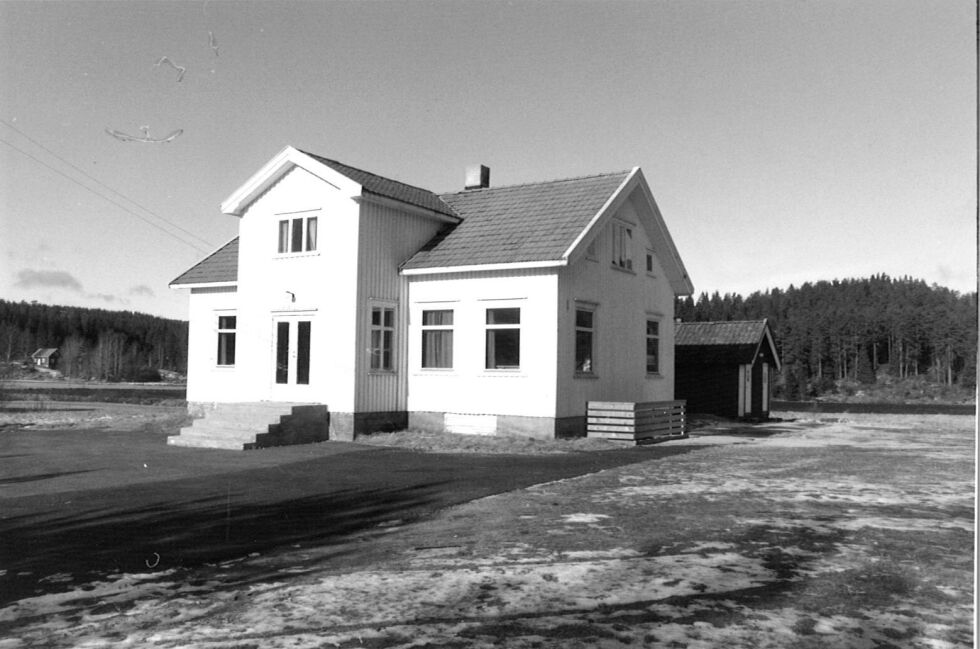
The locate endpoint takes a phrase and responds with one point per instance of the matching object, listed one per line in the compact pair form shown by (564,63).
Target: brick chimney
(477,177)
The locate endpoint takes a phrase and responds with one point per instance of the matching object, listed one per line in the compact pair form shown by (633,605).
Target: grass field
(844,531)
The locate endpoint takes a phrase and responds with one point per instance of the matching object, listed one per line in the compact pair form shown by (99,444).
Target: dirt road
(855,533)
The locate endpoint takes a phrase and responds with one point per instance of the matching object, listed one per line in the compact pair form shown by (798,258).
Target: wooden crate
(640,423)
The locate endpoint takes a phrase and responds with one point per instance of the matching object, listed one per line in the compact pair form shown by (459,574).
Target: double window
(227,326)
(622,245)
(297,235)
(584,340)
(382,338)
(437,339)
(503,350)
(653,346)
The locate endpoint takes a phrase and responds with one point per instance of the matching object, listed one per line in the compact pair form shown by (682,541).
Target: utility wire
(117,204)
(210,245)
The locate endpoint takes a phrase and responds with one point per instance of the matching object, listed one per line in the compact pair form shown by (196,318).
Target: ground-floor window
(227,329)
(503,339)
(382,338)
(584,340)
(437,338)
(653,346)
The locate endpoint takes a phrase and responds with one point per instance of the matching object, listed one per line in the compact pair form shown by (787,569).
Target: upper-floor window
(649,262)
(227,327)
(437,338)
(297,234)
(622,245)
(382,338)
(503,339)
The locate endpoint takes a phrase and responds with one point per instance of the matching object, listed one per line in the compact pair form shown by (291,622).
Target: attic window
(622,246)
(297,235)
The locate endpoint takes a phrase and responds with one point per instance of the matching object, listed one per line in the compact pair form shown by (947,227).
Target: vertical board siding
(388,237)
(622,301)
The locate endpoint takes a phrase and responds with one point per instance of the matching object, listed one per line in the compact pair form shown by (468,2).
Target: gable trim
(615,198)
(203,285)
(272,171)
(767,337)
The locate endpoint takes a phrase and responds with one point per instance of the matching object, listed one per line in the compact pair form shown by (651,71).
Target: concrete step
(218,430)
(204,441)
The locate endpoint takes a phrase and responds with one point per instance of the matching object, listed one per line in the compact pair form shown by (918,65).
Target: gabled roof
(220,267)
(536,222)
(736,341)
(388,188)
(45,352)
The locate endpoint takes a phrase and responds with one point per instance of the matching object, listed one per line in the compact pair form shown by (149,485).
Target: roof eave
(519,265)
(180,285)
(386,201)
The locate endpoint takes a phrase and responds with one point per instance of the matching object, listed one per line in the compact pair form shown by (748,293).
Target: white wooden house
(489,310)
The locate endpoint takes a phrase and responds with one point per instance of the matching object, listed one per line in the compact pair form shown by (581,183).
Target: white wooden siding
(388,237)
(469,388)
(205,380)
(623,300)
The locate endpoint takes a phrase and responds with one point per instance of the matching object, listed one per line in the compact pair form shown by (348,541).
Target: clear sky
(785,141)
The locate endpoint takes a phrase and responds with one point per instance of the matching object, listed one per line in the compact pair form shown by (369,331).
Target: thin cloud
(29,278)
(105,297)
(142,289)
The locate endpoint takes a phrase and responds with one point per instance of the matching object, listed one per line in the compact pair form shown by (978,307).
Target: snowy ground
(854,531)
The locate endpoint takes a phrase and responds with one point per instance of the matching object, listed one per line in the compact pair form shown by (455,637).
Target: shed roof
(221,266)
(518,223)
(44,352)
(714,343)
(732,332)
(388,188)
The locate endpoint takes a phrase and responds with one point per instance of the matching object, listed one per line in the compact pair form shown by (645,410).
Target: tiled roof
(519,223)
(388,188)
(220,266)
(733,332)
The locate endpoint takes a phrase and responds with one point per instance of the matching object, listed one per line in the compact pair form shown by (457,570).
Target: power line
(104,197)
(102,184)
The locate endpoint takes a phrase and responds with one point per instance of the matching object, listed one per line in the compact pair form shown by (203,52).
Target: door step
(247,426)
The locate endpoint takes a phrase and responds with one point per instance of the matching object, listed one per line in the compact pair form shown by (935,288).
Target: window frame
(288,226)
(656,338)
(224,335)
(650,262)
(622,246)
(376,353)
(592,330)
(441,327)
(490,330)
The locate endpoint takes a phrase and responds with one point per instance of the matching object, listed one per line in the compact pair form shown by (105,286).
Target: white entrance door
(292,337)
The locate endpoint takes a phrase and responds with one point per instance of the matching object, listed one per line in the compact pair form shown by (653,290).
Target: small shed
(725,368)
(45,357)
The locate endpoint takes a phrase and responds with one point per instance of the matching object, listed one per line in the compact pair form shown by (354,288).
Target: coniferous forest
(94,343)
(856,329)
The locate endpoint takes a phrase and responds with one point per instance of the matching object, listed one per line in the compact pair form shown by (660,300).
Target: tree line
(94,343)
(853,329)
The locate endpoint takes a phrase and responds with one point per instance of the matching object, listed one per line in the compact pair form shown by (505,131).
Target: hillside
(848,336)
(93,343)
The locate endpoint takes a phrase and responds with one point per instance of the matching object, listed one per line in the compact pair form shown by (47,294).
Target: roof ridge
(538,182)
(365,171)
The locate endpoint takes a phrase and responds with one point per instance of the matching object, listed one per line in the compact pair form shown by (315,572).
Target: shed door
(765,387)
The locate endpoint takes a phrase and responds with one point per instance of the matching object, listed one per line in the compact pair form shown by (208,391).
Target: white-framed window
(653,345)
(297,234)
(650,262)
(622,245)
(227,331)
(437,338)
(383,338)
(585,338)
(503,350)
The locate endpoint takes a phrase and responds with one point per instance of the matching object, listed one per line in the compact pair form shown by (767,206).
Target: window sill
(628,271)
(382,372)
(296,255)
(224,367)
(586,375)
(655,375)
